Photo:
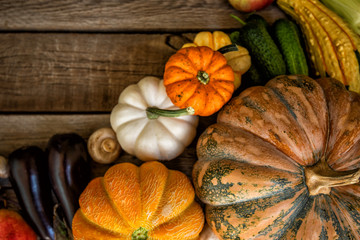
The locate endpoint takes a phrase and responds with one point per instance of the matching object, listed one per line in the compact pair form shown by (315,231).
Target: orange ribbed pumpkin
(199,77)
(146,202)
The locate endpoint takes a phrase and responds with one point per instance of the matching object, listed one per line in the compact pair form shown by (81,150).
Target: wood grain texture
(61,72)
(17,130)
(120,16)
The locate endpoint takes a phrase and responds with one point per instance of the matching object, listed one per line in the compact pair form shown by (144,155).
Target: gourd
(148,125)
(199,77)
(236,56)
(215,40)
(146,202)
(283,162)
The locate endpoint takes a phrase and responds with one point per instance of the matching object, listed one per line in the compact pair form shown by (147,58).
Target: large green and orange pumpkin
(283,162)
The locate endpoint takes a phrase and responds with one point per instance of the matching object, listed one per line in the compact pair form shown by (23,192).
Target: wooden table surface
(64,63)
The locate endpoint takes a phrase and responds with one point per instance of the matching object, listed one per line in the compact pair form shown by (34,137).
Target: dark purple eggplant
(69,170)
(28,176)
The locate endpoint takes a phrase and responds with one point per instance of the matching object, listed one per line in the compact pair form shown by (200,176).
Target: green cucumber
(263,51)
(287,37)
(256,18)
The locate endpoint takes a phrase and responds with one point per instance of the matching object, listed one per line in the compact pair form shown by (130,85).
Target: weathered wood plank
(17,130)
(77,72)
(119,16)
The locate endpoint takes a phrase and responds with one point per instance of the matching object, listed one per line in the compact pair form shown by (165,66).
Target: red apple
(14,227)
(250,5)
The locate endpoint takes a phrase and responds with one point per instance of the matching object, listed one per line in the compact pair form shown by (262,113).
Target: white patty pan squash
(148,125)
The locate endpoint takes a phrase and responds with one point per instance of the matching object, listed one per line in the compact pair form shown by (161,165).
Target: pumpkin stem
(203,77)
(320,178)
(140,234)
(154,113)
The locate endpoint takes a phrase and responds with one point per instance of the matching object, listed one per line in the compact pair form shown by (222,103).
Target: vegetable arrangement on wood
(281,159)
(139,203)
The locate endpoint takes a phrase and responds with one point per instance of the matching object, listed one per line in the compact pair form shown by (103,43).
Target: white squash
(143,133)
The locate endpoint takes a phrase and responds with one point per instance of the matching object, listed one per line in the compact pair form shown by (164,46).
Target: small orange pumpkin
(146,202)
(199,77)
